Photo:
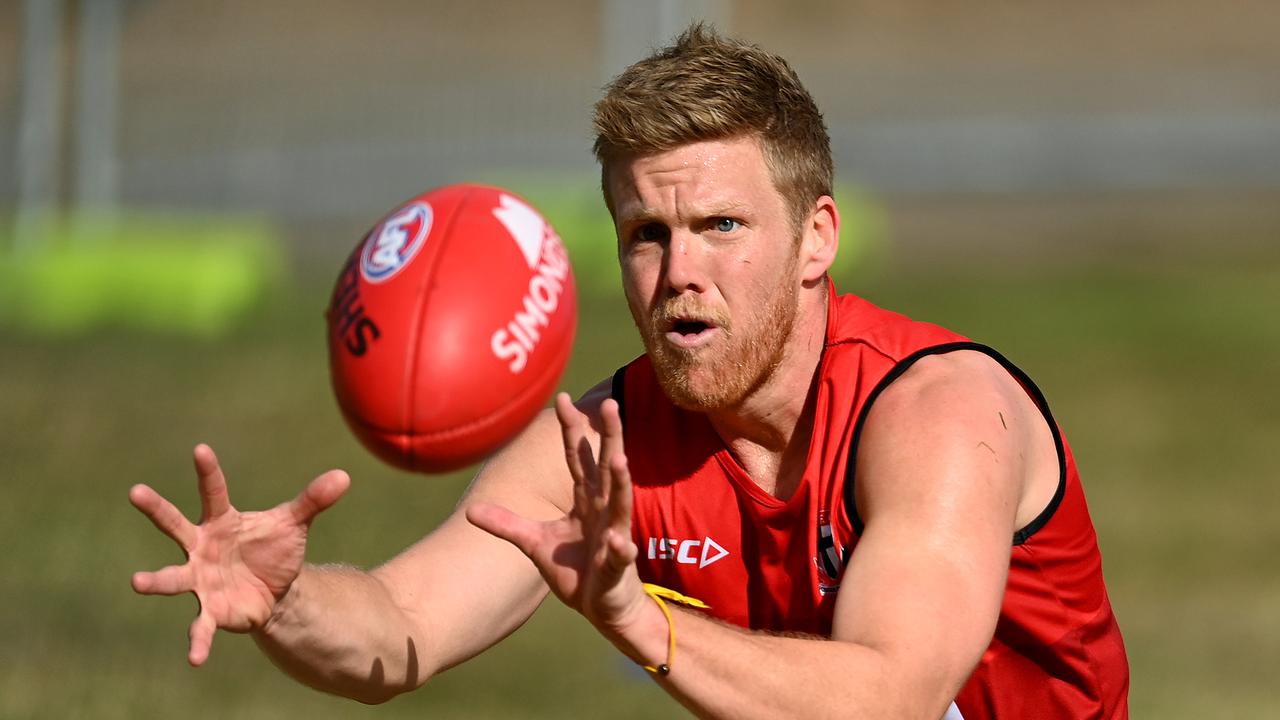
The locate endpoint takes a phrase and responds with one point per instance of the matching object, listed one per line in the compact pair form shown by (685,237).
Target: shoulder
(955,429)
(529,475)
(939,480)
(957,382)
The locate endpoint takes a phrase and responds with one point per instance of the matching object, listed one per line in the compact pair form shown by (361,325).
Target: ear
(820,238)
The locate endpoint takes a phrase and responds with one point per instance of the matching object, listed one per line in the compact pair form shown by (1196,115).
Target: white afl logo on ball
(549,265)
(394,243)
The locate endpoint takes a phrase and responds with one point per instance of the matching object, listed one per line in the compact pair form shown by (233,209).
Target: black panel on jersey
(1022,535)
(616,390)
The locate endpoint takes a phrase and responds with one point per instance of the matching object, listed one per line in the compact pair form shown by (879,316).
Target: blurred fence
(322,109)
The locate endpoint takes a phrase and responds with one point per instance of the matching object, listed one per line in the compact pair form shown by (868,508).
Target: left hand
(586,557)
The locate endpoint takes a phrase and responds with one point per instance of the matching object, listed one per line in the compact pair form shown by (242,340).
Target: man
(882,516)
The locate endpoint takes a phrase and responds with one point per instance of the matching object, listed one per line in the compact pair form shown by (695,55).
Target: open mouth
(688,327)
(689,333)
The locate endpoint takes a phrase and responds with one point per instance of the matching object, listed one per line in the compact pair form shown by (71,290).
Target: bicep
(941,467)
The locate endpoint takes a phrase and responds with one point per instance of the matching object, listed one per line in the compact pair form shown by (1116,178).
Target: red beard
(726,371)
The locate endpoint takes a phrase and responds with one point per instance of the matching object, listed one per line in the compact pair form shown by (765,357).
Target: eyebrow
(644,214)
(727,208)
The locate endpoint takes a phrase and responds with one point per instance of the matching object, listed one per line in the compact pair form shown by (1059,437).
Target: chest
(704,528)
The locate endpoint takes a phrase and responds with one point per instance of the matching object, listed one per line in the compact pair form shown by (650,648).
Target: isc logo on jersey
(686,552)
(549,265)
(391,246)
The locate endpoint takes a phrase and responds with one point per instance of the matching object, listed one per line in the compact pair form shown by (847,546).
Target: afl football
(449,327)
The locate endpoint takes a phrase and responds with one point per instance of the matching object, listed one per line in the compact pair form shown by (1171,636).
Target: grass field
(1163,375)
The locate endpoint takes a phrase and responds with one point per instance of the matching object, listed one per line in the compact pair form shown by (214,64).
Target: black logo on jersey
(828,558)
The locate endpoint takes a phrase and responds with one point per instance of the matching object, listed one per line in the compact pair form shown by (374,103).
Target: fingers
(201,634)
(577,449)
(573,430)
(502,523)
(173,580)
(611,433)
(162,513)
(617,550)
(620,500)
(319,495)
(214,500)
(622,552)
(611,450)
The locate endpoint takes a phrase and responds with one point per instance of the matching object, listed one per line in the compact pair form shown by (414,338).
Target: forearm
(339,630)
(721,671)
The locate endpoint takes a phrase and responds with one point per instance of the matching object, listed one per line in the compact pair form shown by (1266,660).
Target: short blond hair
(708,87)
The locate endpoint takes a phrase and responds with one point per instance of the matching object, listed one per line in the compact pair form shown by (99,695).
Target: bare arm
(947,458)
(365,635)
(370,635)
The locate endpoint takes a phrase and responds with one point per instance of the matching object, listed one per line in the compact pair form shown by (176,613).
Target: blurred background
(1092,187)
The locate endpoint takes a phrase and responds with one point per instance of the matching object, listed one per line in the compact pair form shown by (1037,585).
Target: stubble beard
(725,373)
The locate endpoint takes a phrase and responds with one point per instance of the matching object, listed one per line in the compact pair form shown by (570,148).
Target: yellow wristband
(657,592)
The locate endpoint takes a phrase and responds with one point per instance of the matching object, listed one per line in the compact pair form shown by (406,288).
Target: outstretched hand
(239,564)
(586,557)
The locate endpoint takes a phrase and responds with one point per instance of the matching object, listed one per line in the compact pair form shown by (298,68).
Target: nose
(683,264)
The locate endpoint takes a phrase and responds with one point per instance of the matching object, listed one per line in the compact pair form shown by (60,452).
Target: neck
(770,429)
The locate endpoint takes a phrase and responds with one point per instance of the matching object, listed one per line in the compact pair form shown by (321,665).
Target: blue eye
(726,225)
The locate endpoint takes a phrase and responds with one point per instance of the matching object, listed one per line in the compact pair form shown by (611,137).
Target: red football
(449,327)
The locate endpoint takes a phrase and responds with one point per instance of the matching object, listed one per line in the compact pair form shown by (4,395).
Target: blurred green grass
(1162,374)
(174,273)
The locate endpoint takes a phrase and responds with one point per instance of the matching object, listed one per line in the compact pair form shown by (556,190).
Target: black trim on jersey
(1019,537)
(616,390)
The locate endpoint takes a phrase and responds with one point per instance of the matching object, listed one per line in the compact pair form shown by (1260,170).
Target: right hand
(586,557)
(239,564)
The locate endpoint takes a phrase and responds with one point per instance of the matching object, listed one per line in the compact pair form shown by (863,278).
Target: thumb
(201,634)
(319,495)
(506,525)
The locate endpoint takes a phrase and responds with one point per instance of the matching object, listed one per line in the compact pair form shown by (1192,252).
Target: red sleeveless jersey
(704,528)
